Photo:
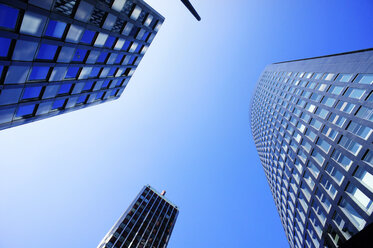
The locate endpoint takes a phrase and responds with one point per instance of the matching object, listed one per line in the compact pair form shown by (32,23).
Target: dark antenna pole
(191,9)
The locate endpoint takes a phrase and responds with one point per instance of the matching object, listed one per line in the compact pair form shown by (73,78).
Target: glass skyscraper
(148,222)
(312,122)
(58,56)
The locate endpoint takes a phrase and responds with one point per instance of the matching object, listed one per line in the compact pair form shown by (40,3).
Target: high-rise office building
(58,56)
(312,122)
(148,222)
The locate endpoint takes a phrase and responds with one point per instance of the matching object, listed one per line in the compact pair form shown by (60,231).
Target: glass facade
(148,222)
(312,121)
(58,56)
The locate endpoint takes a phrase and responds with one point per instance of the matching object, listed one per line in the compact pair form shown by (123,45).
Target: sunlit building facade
(148,222)
(58,56)
(312,122)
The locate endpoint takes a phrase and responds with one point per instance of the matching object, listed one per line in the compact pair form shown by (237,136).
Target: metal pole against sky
(191,9)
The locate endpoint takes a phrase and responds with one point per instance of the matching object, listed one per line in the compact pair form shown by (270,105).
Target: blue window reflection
(119,83)
(132,60)
(31,92)
(1,70)
(145,36)
(79,55)
(46,52)
(88,37)
(39,73)
(119,58)
(88,86)
(114,92)
(55,29)
(138,48)
(72,72)
(4,46)
(110,42)
(102,57)
(81,99)
(105,84)
(59,104)
(65,89)
(8,16)
(126,45)
(25,111)
(112,71)
(100,95)
(95,71)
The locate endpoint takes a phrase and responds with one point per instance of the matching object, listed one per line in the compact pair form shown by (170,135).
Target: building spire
(191,9)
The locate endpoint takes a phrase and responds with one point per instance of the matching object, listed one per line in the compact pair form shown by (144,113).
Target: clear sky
(181,125)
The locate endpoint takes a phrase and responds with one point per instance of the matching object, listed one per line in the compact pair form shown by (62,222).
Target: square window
(26,110)
(46,52)
(364,79)
(118,5)
(126,45)
(148,20)
(16,74)
(136,13)
(66,54)
(102,57)
(55,29)
(33,24)
(74,34)
(114,92)
(111,72)
(59,104)
(109,22)
(88,86)
(110,42)
(328,76)
(95,71)
(79,55)
(127,29)
(82,99)
(105,84)
(39,73)
(100,95)
(344,78)
(8,16)
(101,39)
(92,57)
(65,89)
(25,50)
(31,93)
(119,58)
(354,93)
(88,36)
(4,46)
(72,72)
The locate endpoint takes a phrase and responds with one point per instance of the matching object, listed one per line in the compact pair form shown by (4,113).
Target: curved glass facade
(312,123)
(58,56)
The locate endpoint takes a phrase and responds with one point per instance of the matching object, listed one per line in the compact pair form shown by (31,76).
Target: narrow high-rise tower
(312,123)
(148,222)
(57,56)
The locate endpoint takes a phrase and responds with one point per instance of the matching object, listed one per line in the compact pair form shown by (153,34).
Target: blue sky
(181,125)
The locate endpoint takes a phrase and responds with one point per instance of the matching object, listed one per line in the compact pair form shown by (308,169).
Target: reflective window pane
(59,104)
(8,16)
(39,73)
(31,92)
(88,36)
(46,52)
(72,72)
(79,55)
(55,29)
(64,89)
(25,110)
(364,79)
(33,24)
(4,46)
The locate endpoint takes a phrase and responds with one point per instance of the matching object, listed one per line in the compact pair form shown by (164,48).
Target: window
(335,173)
(110,42)
(59,104)
(341,159)
(360,198)
(316,124)
(114,93)
(323,199)
(100,95)
(31,93)
(79,55)
(364,79)
(24,50)
(336,90)
(328,101)
(126,45)
(322,112)
(329,187)
(345,106)
(368,158)
(8,16)
(95,71)
(72,72)
(26,110)
(65,89)
(39,73)
(318,157)
(311,135)
(102,57)
(33,24)
(136,13)
(119,58)
(82,99)
(325,146)
(55,29)
(328,76)
(365,113)
(360,130)
(88,86)
(105,84)
(101,39)
(88,36)
(344,78)
(4,46)
(329,132)
(313,169)
(352,214)
(75,33)
(337,120)
(354,93)
(365,177)
(46,52)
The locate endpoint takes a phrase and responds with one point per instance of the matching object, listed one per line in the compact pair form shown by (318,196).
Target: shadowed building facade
(148,222)
(58,56)
(312,122)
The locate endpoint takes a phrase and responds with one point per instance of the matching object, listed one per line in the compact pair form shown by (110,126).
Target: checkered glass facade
(62,55)
(148,222)
(312,123)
